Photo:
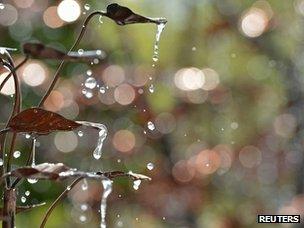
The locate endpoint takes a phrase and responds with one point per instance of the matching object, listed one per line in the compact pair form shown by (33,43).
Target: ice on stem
(102,136)
(107,189)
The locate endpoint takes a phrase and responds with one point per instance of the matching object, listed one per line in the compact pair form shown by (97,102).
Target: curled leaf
(40,51)
(123,16)
(41,122)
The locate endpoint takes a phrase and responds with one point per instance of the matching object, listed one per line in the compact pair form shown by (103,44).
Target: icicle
(102,136)
(107,189)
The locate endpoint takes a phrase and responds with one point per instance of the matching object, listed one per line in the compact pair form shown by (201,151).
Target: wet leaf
(41,122)
(40,51)
(50,171)
(123,16)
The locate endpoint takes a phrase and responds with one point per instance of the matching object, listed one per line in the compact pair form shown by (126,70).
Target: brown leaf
(47,171)
(40,51)
(41,122)
(123,16)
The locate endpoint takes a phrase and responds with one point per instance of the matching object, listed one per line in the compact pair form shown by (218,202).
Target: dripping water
(160,29)
(30,180)
(102,136)
(107,189)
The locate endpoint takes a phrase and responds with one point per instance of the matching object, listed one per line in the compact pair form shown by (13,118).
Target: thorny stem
(57,201)
(56,76)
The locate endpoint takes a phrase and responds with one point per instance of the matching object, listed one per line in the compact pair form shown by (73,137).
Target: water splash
(160,29)
(102,136)
(107,189)
(30,180)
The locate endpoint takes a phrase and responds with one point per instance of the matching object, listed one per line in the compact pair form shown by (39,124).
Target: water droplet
(140,91)
(102,136)
(80,133)
(102,89)
(155,58)
(151,126)
(100,19)
(89,72)
(136,184)
(150,166)
(1,162)
(151,88)
(87,6)
(80,51)
(16,154)
(23,199)
(95,61)
(2,6)
(32,181)
(84,185)
(107,189)
(89,94)
(84,207)
(82,218)
(90,83)
(27,193)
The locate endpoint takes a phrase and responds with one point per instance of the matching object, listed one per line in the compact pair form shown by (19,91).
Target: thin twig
(10,155)
(57,201)
(10,74)
(56,76)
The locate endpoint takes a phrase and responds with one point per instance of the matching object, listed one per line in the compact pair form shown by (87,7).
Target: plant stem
(57,201)
(16,68)
(9,208)
(56,76)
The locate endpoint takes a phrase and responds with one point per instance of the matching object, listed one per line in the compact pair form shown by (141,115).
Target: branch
(56,76)
(57,201)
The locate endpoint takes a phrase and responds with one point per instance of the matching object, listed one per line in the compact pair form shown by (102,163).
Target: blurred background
(217,121)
